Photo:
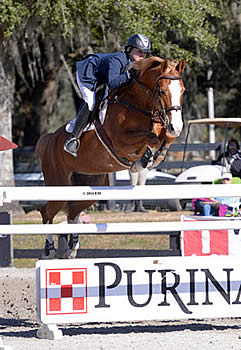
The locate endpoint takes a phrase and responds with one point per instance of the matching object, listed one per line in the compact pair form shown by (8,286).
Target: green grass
(24,263)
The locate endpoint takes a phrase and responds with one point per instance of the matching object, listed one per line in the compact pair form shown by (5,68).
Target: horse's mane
(152,63)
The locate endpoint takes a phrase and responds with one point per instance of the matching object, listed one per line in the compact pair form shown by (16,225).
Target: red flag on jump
(6,144)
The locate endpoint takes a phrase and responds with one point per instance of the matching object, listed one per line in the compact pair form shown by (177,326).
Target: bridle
(157,115)
(163,92)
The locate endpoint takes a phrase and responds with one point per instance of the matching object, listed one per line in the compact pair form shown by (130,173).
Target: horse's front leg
(152,143)
(48,213)
(144,162)
(161,154)
(139,143)
(133,142)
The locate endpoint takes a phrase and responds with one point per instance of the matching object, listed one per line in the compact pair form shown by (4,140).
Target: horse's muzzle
(171,133)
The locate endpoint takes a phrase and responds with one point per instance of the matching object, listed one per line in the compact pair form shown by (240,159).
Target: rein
(126,104)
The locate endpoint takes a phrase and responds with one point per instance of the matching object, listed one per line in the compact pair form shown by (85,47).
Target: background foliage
(40,38)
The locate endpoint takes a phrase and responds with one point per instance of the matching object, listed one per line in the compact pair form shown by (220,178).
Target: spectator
(212,206)
(231,158)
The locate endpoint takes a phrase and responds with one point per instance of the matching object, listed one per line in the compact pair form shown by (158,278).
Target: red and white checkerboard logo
(66,291)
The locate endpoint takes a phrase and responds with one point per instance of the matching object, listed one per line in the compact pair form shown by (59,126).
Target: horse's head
(163,87)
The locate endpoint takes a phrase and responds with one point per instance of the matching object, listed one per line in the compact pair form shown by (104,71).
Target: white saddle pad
(69,127)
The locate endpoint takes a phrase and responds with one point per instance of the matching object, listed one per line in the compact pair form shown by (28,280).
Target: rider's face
(137,55)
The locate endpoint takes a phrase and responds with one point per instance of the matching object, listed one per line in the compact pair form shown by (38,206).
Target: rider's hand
(131,73)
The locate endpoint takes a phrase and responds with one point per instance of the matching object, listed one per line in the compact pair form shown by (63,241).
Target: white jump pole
(65,193)
(117,228)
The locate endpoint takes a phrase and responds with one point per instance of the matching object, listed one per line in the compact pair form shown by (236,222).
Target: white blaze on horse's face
(176,91)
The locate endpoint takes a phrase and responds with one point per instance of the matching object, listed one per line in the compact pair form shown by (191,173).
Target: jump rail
(146,228)
(9,194)
(49,329)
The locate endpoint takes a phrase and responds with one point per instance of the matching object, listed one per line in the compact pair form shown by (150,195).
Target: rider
(98,69)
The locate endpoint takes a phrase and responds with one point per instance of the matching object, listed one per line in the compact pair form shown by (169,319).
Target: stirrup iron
(71,146)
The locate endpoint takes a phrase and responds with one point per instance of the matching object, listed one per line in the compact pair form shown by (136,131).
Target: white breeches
(87,94)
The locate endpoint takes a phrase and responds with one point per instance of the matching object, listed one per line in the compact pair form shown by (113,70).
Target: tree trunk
(7,86)
(6,108)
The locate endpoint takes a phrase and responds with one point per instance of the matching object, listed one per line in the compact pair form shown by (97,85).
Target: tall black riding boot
(140,207)
(72,144)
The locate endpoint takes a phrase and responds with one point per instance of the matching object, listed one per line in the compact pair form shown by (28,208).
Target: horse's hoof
(72,253)
(49,251)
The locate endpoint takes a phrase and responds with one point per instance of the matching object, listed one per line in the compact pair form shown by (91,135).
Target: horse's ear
(164,66)
(181,66)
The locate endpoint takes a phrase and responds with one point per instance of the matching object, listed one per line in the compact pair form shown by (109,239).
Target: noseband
(157,115)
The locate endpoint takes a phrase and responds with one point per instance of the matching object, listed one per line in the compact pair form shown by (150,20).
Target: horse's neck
(133,95)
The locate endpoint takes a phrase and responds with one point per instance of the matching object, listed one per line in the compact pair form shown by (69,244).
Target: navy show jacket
(97,69)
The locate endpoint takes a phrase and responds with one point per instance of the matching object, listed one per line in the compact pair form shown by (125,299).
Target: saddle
(99,98)
(98,112)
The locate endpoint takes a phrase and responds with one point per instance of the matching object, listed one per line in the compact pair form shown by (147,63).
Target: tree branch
(77,90)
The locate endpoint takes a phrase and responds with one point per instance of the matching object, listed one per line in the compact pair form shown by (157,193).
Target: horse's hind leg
(74,208)
(49,251)
(48,212)
(73,244)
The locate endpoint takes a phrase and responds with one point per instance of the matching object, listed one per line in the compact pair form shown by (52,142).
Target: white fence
(117,228)
(9,194)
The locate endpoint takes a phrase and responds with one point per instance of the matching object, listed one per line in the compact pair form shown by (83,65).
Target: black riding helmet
(139,41)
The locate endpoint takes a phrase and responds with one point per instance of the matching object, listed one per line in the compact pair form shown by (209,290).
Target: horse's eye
(162,92)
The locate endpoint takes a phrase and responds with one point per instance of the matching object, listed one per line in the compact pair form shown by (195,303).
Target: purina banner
(122,289)
(210,242)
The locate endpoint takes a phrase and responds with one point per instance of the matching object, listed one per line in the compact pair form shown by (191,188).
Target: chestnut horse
(146,114)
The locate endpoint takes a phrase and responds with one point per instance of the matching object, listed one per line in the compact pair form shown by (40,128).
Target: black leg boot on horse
(142,163)
(72,144)
(49,251)
(73,246)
